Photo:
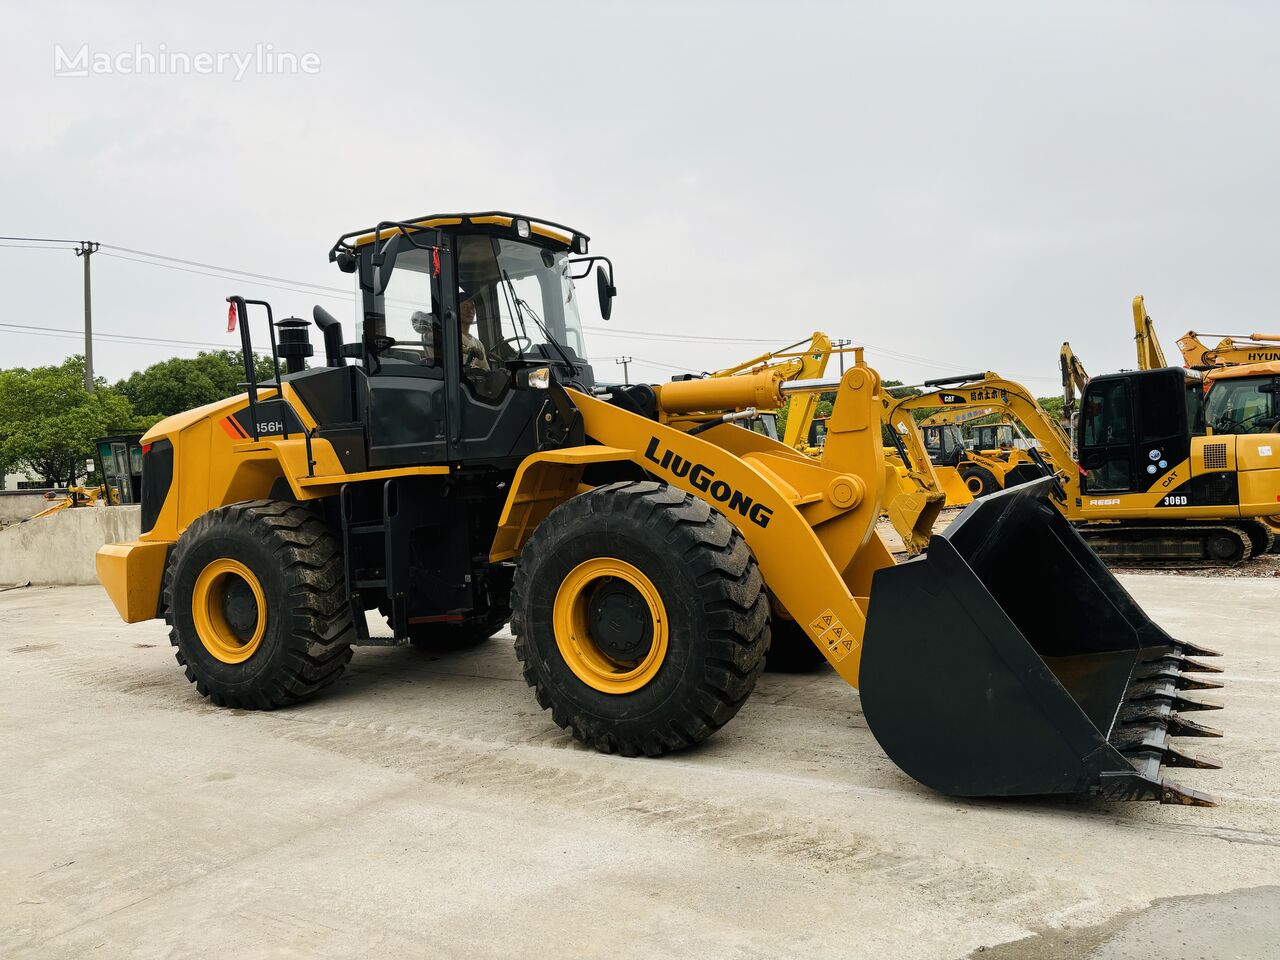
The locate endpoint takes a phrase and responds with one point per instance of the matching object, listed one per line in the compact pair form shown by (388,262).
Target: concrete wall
(20,504)
(60,548)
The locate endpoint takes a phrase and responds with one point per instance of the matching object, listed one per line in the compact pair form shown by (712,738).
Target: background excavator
(647,551)
(1074,379)
(1241,378)
(1144,485)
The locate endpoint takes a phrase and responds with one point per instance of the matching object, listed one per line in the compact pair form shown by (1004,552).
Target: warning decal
(832,634)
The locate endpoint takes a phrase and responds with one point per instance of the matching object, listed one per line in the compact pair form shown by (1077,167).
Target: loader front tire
(979,480)
(640,618)
(255,599)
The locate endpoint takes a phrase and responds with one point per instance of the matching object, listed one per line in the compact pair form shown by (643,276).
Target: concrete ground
(427,807)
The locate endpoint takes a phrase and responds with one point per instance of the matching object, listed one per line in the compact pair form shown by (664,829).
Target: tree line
(48,421)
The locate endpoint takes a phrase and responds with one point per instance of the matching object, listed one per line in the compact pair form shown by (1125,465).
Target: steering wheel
(1059,491)
(512,347)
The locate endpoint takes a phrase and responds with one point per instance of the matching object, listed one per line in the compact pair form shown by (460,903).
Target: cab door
(406,344)
(1106,436)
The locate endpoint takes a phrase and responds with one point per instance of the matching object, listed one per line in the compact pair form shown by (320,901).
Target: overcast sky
(959,186)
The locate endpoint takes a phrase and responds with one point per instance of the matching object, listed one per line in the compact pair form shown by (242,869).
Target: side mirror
(606,290)
(384,262)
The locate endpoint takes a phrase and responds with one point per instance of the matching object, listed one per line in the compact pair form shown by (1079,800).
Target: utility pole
(840,345)
(624,361)
(86,249)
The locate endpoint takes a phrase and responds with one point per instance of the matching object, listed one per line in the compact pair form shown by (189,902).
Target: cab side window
(1106,415)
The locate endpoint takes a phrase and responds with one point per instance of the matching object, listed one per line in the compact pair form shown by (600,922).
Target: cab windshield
(517,297)
(1244,405)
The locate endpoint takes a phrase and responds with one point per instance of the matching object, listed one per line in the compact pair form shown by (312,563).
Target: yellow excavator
(1145,486)
(466,468)
(1241,378)
(1074,379)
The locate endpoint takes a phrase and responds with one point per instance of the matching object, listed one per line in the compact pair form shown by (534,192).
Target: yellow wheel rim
(225,642)
(973,483)
(598,661)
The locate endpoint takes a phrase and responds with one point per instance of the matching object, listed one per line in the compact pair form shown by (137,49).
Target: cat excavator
(1145,485)
(1241,378)
(457,465)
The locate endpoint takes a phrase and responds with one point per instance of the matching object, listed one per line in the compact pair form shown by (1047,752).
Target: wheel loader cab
(451,317)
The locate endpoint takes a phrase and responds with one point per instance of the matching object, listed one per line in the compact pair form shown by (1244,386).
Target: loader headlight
(537,378)
(522,228)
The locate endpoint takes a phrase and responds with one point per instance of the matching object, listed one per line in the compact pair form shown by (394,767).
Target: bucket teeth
(1182,727)
(1183,705)
(1161,671)
(1173,793)
(1176,758)
(1197,651)
(1186,664)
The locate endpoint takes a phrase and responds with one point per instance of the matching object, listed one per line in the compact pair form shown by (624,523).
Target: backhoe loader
(982,470)
(467,468)
(1147,485)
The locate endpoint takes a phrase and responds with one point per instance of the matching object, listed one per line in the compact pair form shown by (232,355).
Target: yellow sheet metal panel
(132,574)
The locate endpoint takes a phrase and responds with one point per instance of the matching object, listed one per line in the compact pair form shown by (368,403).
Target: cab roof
(548,229)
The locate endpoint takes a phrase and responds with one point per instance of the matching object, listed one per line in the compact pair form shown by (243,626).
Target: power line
(41,239)
(217,271)
(221,276)
(244,273)
(37,246)
(123,337)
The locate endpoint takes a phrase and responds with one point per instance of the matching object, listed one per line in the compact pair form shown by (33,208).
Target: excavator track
(1186,546)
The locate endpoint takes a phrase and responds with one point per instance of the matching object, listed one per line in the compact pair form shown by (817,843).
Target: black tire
(298,563)
(791,650)
(450,638)
(979,480)
(716,607)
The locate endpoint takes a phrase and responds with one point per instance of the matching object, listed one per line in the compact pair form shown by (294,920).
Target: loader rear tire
(255,598)
(640,618)
(791,650)
(979,480)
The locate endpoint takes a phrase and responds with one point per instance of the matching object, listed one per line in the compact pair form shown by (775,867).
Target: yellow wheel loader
(467,466)
(1147,485)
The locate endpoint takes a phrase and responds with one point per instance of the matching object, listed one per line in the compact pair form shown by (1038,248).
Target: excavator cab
(1134,425)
